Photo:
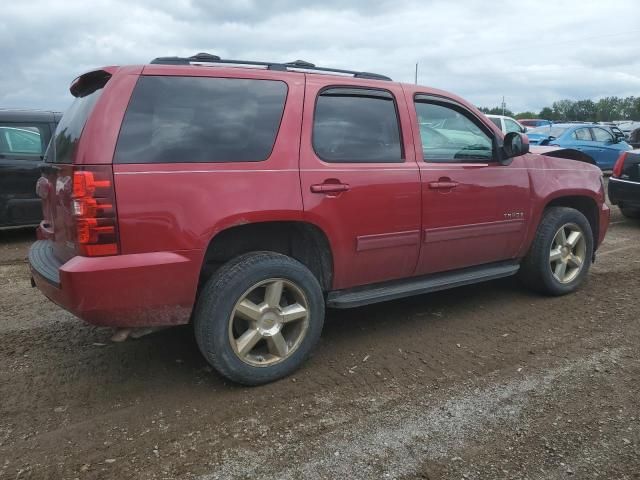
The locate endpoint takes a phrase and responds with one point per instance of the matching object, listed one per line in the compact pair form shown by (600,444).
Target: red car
(246,196)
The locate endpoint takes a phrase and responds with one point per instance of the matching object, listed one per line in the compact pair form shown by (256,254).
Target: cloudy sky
(532,52)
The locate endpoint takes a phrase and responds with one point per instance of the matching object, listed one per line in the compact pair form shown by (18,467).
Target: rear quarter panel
(182,206)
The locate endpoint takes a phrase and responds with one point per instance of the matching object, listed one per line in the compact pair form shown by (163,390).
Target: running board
(381,292)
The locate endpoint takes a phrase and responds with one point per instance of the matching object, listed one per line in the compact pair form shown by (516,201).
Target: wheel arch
(301,240)
(585,205)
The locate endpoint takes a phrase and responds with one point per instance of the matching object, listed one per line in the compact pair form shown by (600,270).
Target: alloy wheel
(269,322)
(568,252)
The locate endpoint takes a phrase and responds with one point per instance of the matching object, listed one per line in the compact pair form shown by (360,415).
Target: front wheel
(561,253)
(258,317)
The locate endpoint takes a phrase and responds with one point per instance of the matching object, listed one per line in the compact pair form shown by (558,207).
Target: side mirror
(514,145)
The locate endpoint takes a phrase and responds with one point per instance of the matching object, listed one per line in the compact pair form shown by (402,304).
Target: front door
(360,182)
(473,208)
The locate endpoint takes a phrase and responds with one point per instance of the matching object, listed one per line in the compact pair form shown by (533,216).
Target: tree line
(604,110)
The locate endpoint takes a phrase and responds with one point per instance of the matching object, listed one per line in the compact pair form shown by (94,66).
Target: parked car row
(596,141)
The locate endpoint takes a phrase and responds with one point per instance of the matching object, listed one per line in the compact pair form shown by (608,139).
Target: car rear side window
(23,141)
(201,119)
(582,134)
(496,122)
(356,125)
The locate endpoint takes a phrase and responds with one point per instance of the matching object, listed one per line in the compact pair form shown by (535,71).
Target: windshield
(548,131)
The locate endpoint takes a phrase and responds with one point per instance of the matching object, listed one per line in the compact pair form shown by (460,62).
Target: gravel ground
(482,382)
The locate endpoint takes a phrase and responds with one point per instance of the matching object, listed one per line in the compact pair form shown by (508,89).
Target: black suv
(24,136)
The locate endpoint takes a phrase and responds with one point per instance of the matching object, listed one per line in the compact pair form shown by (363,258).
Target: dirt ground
(482,382)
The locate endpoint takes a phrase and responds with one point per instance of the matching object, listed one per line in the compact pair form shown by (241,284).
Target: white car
(507,124)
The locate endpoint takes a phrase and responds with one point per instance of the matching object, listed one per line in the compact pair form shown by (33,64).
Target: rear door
(360,181)
(473,208)
(608,149)
(22,145)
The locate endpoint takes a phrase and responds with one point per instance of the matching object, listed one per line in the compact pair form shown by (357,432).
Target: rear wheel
(560,256)
(259,317)
(630,212)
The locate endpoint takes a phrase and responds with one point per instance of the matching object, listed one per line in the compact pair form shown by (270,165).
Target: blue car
(597,141)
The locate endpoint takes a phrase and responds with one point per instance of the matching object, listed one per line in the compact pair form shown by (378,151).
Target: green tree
(608,108)
(547,114)
(562,109)
(496,111)
(584,110)
(525,115)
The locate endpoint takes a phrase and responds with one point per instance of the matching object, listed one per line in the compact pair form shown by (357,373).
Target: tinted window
(496,122)
(201,119)
(70,128)
(512,126)
(601,135)
(582,134)
(448,135)
(23,140)
(356,125)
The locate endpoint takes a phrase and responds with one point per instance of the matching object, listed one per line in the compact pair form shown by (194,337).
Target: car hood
(560,152)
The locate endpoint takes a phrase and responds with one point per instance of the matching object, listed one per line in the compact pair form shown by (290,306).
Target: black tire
(535,270)
(219,297)
(630,212)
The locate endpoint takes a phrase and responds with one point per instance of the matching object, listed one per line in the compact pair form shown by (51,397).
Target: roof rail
(295,65)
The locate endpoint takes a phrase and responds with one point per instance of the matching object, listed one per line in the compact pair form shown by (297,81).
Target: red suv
(246,196)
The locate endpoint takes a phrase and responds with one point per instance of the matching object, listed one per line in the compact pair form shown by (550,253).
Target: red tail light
(93,208)
(618,167)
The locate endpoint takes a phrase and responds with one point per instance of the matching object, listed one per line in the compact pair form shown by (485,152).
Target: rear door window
(356,125)
(24,141)
(582,134)
(201,119)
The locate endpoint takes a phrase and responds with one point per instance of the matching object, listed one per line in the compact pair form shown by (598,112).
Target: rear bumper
(624,192)
(145,289)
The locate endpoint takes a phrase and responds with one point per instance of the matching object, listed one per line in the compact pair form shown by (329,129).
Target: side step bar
(381,292)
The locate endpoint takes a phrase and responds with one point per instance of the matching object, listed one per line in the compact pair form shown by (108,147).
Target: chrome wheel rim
(568,253)
(268,322)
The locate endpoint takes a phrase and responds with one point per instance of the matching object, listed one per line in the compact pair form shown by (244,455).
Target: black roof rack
(297,64)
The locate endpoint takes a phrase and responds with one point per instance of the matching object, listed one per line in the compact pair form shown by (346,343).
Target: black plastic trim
(44,262)
(297,64)
(382,292)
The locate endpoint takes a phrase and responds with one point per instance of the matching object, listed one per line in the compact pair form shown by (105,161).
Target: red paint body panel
(147,289)
(386,222)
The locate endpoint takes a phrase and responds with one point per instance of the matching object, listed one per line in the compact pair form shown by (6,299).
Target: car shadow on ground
(172,356)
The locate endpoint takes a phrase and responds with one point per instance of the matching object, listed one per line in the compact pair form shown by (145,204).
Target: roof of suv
(17,115)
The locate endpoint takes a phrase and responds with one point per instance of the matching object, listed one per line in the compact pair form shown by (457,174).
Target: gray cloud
(532,52)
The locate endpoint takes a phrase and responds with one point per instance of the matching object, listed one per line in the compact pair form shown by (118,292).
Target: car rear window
(201,119)
(496,122)
(87,92)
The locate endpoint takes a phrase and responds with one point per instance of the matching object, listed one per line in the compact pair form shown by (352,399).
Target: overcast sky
(532,52)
